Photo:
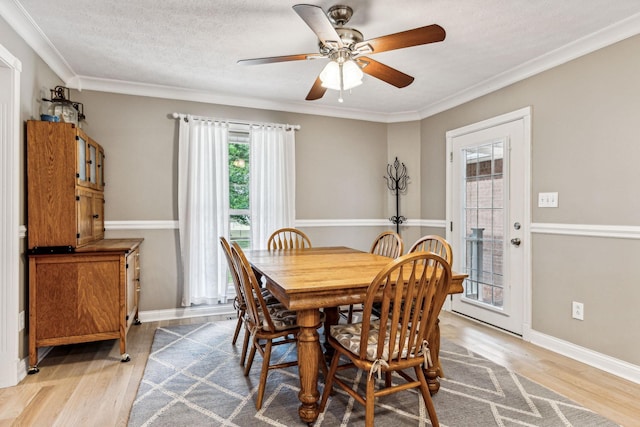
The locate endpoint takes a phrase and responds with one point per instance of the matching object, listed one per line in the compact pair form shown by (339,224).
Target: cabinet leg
(33,370)
(125,358)
(137,321)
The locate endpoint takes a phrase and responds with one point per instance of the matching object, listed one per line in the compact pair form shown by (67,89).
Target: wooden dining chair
(440,246)
(288,238)
(414,288)
(238,302)
(270,325)
(433,243)
(389,244)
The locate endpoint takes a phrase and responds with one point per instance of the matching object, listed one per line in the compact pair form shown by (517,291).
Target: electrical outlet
(577,310)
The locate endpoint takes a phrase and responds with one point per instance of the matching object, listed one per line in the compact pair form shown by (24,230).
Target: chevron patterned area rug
(193,378)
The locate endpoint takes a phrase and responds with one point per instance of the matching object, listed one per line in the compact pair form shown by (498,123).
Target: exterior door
(488,194)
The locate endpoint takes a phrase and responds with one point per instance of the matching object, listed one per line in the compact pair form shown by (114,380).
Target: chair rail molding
(141,225)
(588,230)
(171,224)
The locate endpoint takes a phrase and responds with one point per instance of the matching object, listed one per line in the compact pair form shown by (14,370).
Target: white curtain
(272,181)
(203,208)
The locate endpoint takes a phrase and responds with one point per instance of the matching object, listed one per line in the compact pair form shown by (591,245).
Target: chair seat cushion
(349,337)
(281,317)
(268,297)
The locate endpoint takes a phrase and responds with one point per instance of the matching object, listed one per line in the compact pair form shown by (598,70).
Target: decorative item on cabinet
(82,287)
(62,107)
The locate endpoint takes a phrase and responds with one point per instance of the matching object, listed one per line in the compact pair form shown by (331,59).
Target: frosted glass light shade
(351,75)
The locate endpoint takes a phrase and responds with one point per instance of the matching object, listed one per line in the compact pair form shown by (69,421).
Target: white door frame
(521,114)
(10,68)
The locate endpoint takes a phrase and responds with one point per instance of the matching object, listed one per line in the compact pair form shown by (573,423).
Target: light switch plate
(548,200)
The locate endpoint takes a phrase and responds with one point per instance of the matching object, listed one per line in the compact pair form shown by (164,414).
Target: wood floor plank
(86,384)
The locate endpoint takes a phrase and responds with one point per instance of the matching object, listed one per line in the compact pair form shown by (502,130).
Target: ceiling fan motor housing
(340,14)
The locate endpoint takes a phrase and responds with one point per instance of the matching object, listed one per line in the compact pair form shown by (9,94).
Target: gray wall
(585,146)
(339,175)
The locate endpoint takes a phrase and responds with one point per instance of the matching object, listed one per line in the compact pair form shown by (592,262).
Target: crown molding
(22,23)
(607,36)
(25,26)
(182,94)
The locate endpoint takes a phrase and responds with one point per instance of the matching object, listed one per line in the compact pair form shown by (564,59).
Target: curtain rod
(235,122)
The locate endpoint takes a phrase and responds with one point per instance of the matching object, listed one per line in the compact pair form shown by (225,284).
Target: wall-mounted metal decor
(397,182)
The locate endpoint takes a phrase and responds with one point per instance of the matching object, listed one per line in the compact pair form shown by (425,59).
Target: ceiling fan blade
(417,36)
(317,90)
(272,59)
(384,72)
(319,23)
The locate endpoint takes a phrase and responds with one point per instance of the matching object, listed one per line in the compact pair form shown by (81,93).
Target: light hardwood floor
(86,385)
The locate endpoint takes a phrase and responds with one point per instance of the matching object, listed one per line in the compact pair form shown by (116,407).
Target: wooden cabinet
(88,295)
(82,287)
(65,186)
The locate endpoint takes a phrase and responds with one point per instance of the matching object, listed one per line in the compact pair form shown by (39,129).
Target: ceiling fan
(346,50)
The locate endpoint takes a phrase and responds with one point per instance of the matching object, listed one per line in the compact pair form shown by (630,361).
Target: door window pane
(484,223)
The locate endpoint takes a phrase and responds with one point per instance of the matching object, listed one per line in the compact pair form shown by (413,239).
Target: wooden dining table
(307,280)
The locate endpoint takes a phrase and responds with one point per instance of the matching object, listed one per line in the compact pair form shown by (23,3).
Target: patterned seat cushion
(349,337)
(269,299)
(281,317)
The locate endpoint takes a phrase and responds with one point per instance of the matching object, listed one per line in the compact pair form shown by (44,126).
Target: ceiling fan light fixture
(343,76)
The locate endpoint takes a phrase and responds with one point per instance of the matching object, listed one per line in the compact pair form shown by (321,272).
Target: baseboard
(223,312)
(606,363)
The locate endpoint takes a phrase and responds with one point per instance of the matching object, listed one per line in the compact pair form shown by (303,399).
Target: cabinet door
(97,214)
(92,163)
(100,168)
(75,296)
(81,156)
(84,216)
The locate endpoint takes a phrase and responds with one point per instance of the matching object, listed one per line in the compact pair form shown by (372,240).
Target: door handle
(516,242)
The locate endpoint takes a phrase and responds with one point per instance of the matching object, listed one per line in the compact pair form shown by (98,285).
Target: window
(239,215)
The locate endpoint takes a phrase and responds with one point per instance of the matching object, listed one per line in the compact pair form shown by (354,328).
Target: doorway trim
(9,219)
(523,114)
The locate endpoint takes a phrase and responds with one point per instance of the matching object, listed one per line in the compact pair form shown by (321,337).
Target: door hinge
(77,235)
(451,157)
(77,198)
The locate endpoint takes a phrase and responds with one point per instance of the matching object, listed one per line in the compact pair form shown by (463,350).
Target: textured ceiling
(122,45)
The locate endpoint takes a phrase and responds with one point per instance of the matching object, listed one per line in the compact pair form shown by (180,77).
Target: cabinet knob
(96,216)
